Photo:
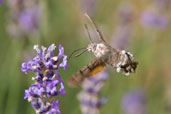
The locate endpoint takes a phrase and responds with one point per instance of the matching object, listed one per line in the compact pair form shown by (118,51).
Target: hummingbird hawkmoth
(105,55)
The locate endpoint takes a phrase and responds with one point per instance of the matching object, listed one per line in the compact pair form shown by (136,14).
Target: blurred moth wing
(94,67)
(96,29)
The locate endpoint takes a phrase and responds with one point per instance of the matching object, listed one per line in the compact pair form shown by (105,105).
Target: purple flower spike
(150,19)
(89,6)
(25,18)
(48,82)
(1,2)
(134,103)
(89,96)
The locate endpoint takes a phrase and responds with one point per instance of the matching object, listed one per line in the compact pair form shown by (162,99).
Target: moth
(105,55)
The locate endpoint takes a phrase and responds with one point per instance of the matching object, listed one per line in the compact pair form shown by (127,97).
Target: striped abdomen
(89,70)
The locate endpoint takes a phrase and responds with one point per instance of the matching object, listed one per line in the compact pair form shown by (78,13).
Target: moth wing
(98,32)
(94,67)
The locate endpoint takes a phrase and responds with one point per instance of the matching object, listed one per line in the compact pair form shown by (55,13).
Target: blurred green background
(62,22)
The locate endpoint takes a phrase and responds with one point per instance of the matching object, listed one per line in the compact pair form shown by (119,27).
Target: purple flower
(51,87)
(134,102)
(45,60)
(48,81)
(28,20)
(55,108)
(37,103)
(124,30)
(36,90)
(122,37)
(89,96)
(25,17)
(61,55)
(125,13)
(150,19)
(1,2)
(89,6)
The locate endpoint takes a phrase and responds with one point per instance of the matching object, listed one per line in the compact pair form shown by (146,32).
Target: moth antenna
(88,33)
(75,51)
(96,28)
(81,53)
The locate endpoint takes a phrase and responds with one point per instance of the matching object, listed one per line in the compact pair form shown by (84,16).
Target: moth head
(92,47)
(97,49)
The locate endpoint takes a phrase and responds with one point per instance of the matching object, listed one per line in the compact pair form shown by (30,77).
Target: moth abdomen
(89,70)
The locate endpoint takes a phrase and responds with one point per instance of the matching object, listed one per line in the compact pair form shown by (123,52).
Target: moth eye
(101,47)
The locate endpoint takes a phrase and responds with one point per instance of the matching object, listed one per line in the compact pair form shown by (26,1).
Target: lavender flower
(122,36)
(123,33)
(29,19)
(151,19)
(48,83)
(125,13)
(89,6)
(134,103)
(25,17)
(89,96)
(1,2)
